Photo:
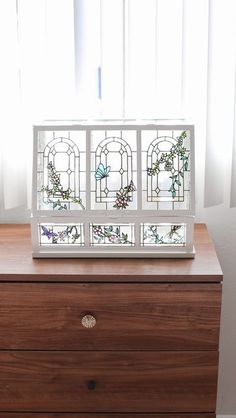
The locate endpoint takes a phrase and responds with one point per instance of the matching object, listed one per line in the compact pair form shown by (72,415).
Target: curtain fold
(233,172)
(37,82)
(87,57)
(12,167)
(220,99)
(78,59)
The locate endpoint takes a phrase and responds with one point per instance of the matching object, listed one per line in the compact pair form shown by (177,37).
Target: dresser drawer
(108,381)
(128,316)
(64,415)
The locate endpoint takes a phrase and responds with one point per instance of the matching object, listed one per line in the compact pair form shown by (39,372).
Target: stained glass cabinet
(113,191)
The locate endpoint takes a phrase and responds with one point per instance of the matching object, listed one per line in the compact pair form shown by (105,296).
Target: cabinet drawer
(64,415)
(128,316)
(108,381)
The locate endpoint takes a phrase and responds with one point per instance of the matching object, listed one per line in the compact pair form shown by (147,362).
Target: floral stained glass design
(61,171)
(163,235)
(166,170)
(61,234)
(113,170)
(113,189)
(112,235)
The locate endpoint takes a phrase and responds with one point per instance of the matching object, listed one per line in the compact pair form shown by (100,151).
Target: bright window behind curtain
(135,59)
(137,46)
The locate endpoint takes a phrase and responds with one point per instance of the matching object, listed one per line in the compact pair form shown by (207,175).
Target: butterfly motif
(102,172)
(49,234)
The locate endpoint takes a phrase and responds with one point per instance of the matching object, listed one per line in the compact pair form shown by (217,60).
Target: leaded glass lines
(113,170)
(64,153)
(110,190)
(60,185)
(166,171)
(163,234)
(120,163)
(117,235)
(61,234)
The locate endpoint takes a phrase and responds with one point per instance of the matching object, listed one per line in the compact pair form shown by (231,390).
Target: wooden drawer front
(64,415)
(108,381)
(129,316)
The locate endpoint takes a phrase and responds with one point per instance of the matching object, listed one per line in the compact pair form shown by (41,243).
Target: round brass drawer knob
(88,321)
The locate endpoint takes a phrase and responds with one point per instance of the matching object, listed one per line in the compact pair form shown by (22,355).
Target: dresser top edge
(16,263)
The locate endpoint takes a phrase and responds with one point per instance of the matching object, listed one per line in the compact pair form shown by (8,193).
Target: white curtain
(135,59)
(221,99)
(36,81)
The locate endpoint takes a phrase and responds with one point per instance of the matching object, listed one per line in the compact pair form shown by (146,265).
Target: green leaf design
(168,160)
(57,188)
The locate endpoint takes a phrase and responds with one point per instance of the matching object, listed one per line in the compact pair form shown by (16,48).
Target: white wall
(221,222)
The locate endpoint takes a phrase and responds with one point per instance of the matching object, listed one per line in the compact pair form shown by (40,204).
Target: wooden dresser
(107,338)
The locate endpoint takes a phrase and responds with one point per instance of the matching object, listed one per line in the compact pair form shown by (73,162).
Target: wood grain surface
(16,263)
(66,415)
(129,316)
(108,381)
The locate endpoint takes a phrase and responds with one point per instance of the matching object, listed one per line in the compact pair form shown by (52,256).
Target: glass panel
(166,170)
(61,234)
(111,235)
(161,235)
(113,170)
(61,170)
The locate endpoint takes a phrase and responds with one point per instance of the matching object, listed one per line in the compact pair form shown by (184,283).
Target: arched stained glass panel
(60,175)
(166,171)
(113,173)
